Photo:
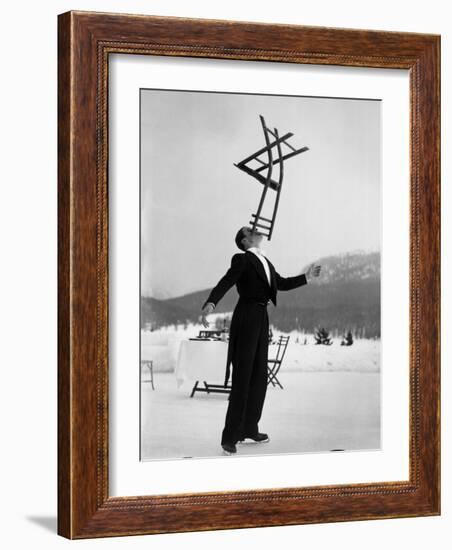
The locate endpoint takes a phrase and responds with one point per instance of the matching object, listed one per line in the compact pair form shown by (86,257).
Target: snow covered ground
(162,346)
(330,401)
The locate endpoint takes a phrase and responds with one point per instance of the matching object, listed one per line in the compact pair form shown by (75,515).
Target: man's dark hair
(239,237)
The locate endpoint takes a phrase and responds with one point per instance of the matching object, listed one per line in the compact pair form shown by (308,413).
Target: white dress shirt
(261,255)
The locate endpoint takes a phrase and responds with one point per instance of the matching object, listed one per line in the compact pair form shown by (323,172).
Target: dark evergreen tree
(348,339)
(322,337)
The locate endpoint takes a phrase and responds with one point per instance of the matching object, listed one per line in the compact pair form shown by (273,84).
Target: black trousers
(249,332)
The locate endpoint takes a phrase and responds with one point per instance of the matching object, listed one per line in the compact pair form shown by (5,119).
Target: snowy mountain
(350,266)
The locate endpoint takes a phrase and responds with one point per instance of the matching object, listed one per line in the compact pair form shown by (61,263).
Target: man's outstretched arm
(227,281)
(288,283)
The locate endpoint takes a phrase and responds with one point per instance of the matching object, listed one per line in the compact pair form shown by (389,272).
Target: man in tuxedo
(257,283)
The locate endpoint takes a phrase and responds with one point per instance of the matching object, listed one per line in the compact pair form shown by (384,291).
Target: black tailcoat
(248,339)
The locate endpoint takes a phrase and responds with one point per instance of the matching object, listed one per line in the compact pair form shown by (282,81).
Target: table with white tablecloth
(203,360)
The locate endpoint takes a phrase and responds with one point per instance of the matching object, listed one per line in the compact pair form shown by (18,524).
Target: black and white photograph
(260,247)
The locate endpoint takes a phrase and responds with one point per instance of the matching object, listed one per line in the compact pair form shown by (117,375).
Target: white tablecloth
(204,360)
(161,347)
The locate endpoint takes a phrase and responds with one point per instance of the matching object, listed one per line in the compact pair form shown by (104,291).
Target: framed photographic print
(249,275)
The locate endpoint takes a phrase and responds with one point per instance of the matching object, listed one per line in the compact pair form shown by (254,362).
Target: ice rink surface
(330,402)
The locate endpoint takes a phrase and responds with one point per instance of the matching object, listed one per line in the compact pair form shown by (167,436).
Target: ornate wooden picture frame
(85,42)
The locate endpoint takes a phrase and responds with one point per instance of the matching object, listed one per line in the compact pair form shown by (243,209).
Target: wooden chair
(272,140)
(150,366)
(275,364)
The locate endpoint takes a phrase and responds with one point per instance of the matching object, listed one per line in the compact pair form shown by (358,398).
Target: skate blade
(252,442)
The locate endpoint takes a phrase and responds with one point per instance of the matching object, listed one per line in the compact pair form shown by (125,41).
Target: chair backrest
(282,346)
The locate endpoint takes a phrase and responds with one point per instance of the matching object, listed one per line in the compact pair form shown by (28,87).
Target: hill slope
(345,296)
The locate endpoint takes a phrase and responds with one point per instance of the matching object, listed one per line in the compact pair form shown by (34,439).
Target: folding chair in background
(275,364)
(150,366)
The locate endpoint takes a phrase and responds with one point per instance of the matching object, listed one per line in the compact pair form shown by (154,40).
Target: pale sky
(193,198)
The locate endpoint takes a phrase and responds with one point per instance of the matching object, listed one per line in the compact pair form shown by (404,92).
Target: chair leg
(149,365)
(194,388)
(270,378)
(273,379)
(152,374)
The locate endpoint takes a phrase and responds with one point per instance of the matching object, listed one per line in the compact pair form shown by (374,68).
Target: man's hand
(208,309)
(313,271)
